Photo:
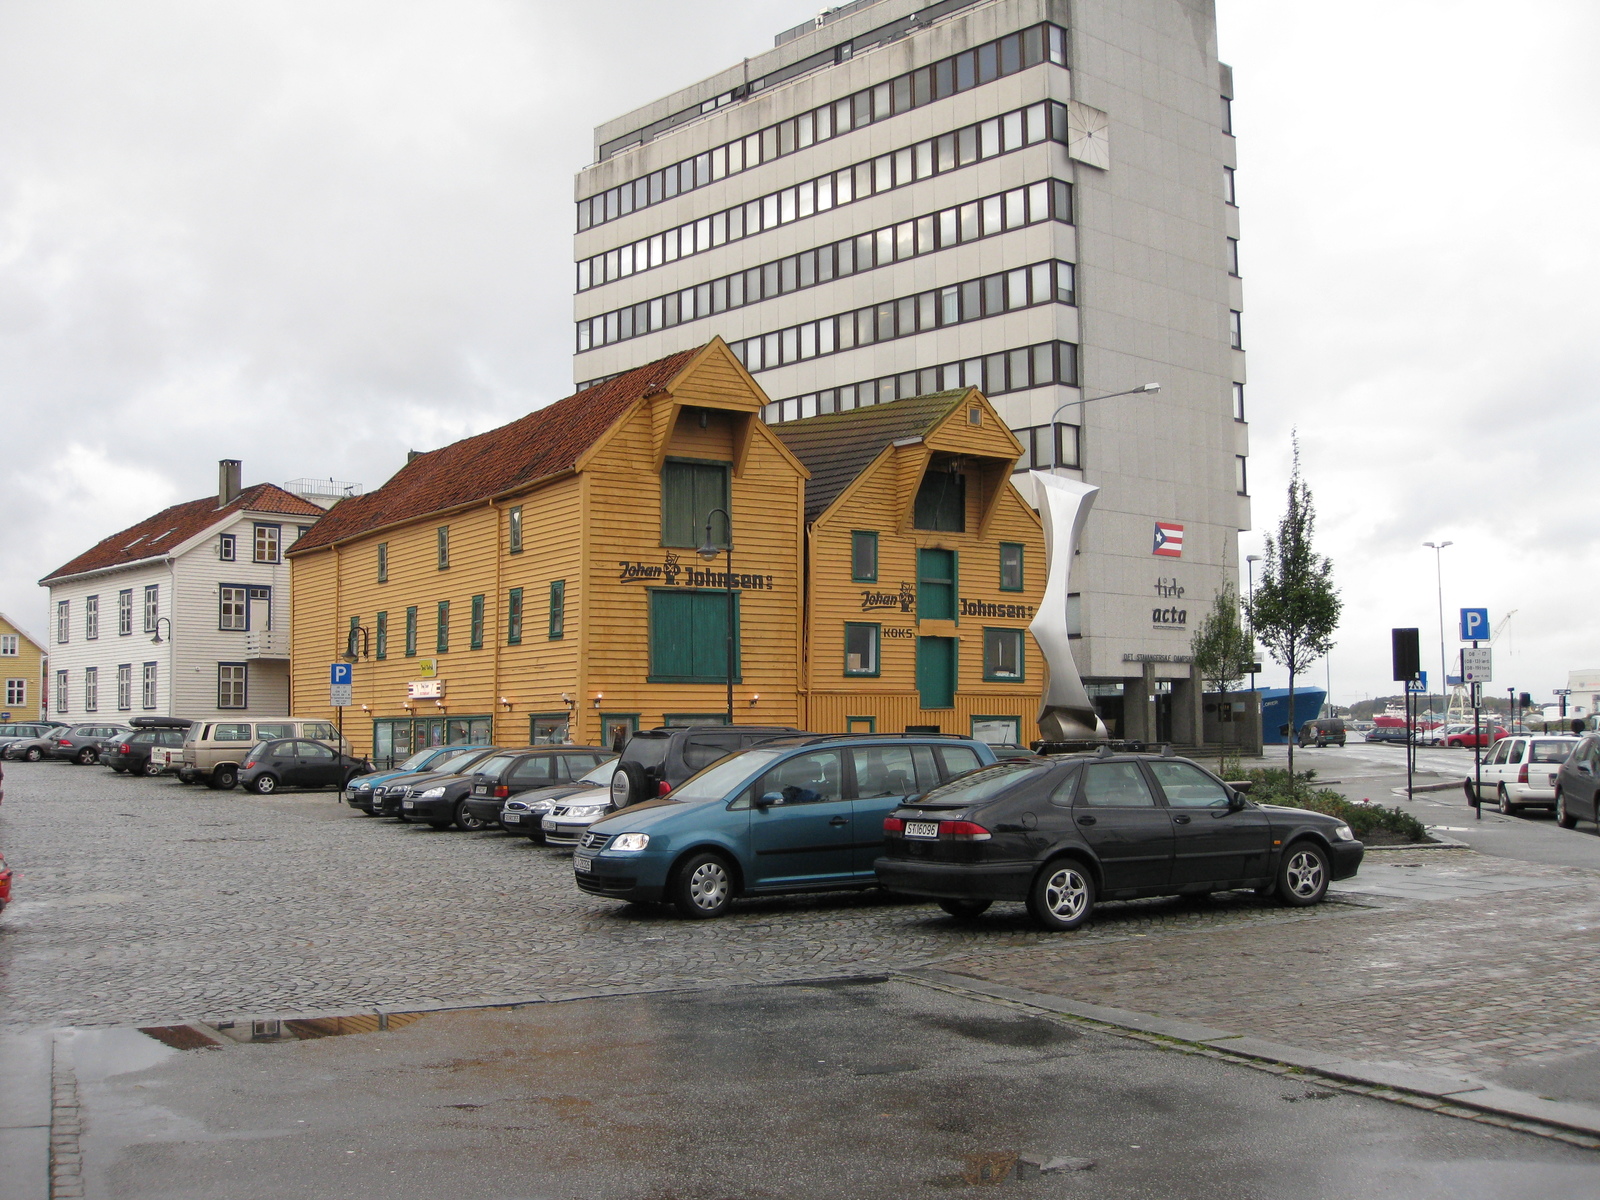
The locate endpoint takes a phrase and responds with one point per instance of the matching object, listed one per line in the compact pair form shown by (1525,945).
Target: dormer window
(941,503)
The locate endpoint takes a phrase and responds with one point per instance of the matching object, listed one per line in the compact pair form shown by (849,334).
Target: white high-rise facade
(1034,197)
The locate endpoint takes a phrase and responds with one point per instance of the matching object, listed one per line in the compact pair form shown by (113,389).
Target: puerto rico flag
(1168,541)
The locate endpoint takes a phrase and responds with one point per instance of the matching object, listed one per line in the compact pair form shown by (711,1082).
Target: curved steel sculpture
(1066,714)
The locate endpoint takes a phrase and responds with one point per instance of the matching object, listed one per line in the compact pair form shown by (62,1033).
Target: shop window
(1011,566)
(936,585)
(864,556)
(547,729)
(861,648)
(941,503)
(689,636)
(689,492)
(1002,655)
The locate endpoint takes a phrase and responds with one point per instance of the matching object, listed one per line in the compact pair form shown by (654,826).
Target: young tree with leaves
(1296,607)
(1223,653)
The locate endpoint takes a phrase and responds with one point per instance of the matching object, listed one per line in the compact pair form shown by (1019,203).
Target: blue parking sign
(1474,624)
(339,673)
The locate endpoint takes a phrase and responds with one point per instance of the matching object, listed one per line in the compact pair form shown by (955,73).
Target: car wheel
(224,778)
(33,754)
(1303,875)
(965,909)
(145,768)
(703,887)
(1563,818)
(1062,895)
(466,821)
(85,756)
(1506,807)
(263,785)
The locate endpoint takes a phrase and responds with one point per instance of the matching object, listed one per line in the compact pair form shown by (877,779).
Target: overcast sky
(314,235)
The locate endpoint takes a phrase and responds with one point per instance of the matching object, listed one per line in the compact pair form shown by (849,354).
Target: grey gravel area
(142,900)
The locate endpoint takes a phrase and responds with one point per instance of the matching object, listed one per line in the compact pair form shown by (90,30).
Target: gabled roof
(836,447)
(546,442)
(35,642)
(163,533)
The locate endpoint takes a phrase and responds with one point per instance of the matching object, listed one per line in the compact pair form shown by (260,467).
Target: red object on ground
(5,885)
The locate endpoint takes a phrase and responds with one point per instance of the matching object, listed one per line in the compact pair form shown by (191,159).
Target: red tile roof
(171,527)
(543,443)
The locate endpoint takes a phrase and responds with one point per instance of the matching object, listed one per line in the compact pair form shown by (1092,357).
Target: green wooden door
(936,672)
(936,585)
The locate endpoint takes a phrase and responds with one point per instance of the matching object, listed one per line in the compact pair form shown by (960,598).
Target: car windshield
(419,759)
(724,776)
(489,766)
(647,750)
(1551,751)
(977,786)
(601,775)
(456,763)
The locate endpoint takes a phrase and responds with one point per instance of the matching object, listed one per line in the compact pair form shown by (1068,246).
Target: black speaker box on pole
(1407,656)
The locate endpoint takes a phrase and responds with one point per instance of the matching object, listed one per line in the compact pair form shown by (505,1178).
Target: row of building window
(1046,121)
(972,68)
(91,614)
(972,300)
(91,688)
(1003,655)
(1042,201)
(864,556)
(266,545)
(476,624)
(993,375)
(442,544)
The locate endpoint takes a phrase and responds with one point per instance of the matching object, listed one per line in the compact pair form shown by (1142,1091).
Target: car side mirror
(1242,786)
(1235,801)
(768,799)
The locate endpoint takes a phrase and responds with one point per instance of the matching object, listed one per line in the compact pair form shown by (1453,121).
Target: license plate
(922,829)
(582,862)
(409,804)
(480,791)
(511,818)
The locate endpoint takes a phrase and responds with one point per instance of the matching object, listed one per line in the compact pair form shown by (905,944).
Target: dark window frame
(514,617)
(1021,583)
(990,673)
(863,537)
(877,649)
(475,628)
(558,610)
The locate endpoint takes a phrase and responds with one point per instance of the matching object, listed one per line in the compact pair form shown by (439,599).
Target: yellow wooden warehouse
(565,577)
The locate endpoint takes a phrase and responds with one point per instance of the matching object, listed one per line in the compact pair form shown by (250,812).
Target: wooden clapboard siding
(879,500)
(535,675)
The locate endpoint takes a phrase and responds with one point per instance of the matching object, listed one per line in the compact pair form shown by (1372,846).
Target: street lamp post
(1055,443)
(1438,576)
(709,552)
(1250,561)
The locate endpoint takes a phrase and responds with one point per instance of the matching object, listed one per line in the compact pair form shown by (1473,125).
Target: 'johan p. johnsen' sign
(672,573)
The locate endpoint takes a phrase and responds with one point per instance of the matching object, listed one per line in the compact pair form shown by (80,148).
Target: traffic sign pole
(1477,743)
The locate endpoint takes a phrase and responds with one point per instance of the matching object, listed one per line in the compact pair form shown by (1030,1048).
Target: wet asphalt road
(862,1089)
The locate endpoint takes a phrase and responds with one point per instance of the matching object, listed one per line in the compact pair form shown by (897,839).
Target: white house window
(235,609)
(61,691)
(63,622)
(228,548)
(231,685)
(152,606)
(91,689)
(8,645)
(150,685)
(125,687)
(16,692)
(125,612)
(91,617)
(267,538)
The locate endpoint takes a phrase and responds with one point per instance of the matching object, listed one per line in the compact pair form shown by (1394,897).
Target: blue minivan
(793,814)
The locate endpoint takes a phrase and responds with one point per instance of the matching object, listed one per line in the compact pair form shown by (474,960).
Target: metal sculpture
(1066,715)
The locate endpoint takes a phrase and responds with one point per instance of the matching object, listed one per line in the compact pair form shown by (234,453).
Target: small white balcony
(265,644)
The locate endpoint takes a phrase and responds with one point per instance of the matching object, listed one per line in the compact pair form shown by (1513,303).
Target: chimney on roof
(412,456)
(229,481)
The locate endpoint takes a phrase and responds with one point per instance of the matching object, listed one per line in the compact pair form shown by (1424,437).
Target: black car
(385,797)
(1578,785)
(1064,833)
(1323,732)
(298,763)
(132,753)
(657,760)
(82,744)
(441,800)
(519,807)
(1387,733)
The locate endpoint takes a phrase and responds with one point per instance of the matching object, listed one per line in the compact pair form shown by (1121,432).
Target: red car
(1469,738)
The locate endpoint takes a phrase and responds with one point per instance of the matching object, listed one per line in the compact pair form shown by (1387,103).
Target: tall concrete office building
(1034,197)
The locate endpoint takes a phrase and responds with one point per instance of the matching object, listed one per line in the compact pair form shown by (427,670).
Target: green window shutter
(411,631)
(936,672)
(689,492)
(441,642)
(477,623)
(381,650)
(941,503)
(1011,566)
(558,609)
(688,636)
(514,617)
(864,556)
(936,585)
(352,639)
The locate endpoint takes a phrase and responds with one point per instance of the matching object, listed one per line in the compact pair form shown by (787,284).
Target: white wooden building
(184,614)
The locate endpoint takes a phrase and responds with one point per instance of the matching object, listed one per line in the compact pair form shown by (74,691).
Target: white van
(214,750)
(1520,772)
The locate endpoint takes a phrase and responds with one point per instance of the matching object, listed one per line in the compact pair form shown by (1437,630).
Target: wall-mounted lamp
(754,698)
(407,705)
(598,696)
(566,699)
(438,703)
(366,708)
(505,702)
(159,622)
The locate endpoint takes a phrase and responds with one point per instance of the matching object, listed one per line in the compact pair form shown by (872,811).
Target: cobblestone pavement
(1504,972)
(146,901)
